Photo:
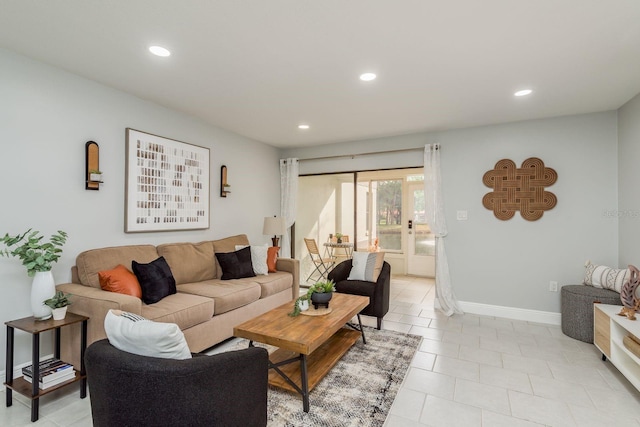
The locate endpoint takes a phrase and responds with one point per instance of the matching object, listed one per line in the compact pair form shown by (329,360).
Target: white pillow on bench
(600,276)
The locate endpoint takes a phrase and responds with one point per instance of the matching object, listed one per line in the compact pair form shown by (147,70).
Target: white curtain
(445,298)
(288,201)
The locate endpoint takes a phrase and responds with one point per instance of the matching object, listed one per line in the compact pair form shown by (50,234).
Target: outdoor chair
(320,264)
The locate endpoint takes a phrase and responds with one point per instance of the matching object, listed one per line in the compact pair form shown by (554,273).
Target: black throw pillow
(156,280)
(236,265)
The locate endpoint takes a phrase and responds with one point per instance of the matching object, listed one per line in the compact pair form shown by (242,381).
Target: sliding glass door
(376,210)
(325,207)
(379,213)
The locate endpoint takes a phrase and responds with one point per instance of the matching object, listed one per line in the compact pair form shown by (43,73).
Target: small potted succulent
(319,294)
(338,237)
(58,305)
(95,175)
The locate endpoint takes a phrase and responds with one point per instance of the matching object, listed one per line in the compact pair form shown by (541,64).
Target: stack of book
(52,371)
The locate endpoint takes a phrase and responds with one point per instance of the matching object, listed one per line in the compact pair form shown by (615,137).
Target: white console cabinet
(609,331)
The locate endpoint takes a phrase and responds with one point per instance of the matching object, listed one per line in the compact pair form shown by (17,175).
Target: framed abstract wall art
(167,184)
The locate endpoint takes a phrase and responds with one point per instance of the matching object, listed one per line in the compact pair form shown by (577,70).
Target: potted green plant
(38,257)
(339,237)
(58,304)
(318,293)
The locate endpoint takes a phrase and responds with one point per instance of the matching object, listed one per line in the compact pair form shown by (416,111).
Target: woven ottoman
(577,309)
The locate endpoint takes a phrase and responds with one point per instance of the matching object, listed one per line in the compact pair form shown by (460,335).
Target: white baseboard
(536,316)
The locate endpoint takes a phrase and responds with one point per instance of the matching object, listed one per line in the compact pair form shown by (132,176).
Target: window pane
(424,239)
(389,214)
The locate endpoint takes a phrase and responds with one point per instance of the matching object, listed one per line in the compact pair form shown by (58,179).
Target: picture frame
(166,184)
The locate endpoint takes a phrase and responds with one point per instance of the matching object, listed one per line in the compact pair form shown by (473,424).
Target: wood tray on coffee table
(317,342)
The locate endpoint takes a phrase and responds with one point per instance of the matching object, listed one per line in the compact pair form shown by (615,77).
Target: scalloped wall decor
(519,189)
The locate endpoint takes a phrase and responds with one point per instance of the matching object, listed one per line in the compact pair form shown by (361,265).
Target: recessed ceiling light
(367,77)
(523,92)
(159,51)
(303,127)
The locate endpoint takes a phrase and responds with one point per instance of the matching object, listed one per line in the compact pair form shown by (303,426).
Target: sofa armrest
(93,303)
(292,266)
(220,390)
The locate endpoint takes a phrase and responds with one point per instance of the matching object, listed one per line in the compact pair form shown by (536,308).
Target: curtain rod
(351,156)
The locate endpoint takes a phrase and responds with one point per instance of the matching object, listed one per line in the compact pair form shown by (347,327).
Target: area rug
(358,391)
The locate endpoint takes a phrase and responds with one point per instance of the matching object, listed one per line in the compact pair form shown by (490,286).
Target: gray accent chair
(226,389)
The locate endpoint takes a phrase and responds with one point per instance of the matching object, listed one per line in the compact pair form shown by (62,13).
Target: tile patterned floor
(469,371)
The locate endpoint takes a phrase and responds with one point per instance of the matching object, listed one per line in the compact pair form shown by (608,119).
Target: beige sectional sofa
(205,308)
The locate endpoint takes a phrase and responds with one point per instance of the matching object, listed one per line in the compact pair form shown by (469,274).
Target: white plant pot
(42,288)
(59,313)
(95,177)
(304,305)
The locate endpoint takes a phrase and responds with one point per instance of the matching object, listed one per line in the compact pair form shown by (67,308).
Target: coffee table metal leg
(364,340)
(305,385)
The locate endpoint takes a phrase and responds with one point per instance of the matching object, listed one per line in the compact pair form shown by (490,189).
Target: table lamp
(275,226)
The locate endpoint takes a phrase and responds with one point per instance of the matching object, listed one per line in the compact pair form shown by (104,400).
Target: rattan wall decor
(519,189)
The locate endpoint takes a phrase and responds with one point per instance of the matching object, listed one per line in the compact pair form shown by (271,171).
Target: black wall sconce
(93,176)
(224,186)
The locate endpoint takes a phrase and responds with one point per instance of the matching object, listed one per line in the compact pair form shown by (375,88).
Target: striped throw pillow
(600,276)
(366,266)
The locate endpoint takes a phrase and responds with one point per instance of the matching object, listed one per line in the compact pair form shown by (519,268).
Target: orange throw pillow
(120,280)
(272,258)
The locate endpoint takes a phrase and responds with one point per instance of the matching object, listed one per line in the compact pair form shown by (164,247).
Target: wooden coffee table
(316,342)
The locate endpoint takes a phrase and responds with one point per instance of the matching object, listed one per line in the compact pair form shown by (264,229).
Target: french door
(420,240)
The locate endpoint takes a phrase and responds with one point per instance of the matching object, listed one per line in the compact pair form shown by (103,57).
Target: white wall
(510,263)
(629,182)
(46,116)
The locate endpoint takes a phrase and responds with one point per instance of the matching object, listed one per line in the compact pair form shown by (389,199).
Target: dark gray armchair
(378,293)
(227,389)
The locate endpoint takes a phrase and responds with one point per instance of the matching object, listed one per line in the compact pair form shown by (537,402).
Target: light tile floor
(469,371)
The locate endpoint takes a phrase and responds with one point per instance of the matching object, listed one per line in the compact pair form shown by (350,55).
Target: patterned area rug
(358,391)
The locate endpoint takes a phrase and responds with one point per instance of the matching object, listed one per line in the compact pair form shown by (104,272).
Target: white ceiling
(261,67)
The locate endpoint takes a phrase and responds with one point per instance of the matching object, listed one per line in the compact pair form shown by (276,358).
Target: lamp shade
(274,226)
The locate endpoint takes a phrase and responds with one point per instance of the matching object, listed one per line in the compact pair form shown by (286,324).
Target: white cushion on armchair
(135,334)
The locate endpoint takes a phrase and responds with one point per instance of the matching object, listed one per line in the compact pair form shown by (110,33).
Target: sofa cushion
(190,262)
(236,265)
(272,258)
(228,245)
(90,262)
(274,283)
(228,294)
(600,276)
(258,258)
(366,266)
(134,334)
(156,279)
(120,280)
(185,310)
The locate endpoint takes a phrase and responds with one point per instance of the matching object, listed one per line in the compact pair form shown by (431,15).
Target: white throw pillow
(600,276)
(366,266)
(258,258)
(135,334)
